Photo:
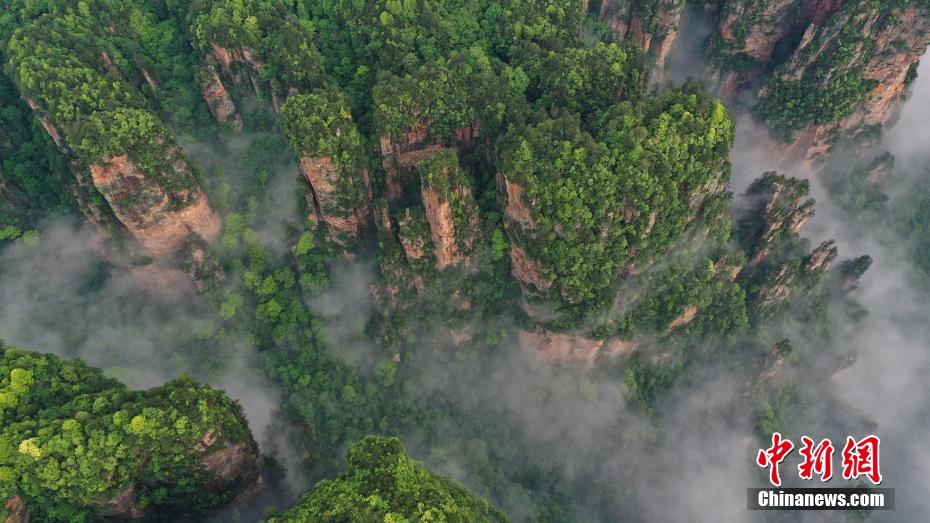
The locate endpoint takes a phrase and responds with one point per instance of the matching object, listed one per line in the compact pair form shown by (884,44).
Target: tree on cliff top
(382,483)
(76,445)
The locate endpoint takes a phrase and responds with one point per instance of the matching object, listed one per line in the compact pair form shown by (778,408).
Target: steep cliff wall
(858,60)
(571,348)
(337,202)
(450,208)
(781,206)
(829,70)
(322,132)
(100,118)
(652,25)
(16,511)
(217,97)
(780,266)
(162,221)
(742,45)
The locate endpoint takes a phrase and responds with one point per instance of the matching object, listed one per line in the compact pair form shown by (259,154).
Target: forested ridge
(380,204)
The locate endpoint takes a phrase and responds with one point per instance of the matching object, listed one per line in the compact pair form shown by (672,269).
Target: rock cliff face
(239,63)
(782,283)
(413,233)
(424,173)
(46,123)
(745,39)
(781,209)
(829,70)
(117,145)
(16,511)
(652,25)
(401,155)
(164,211)
(518,222)
(218,99)
(571,348)
(161,220)
(340,200)
(893,41)
(450,209)
(774,360)
(778,269)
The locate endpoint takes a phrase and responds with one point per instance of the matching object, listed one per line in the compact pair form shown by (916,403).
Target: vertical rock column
(320,127)
(450,208)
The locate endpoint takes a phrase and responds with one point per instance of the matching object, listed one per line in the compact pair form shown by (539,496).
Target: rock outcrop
(340,198)
(571,348)
(745,38)
(780,208)
(436,216)
(518,222)
(893,40)
(238,63)
(829,70)
(774,360)
(16,511)
(450,208)
(328,145)
(653,26)
(413,233)
(218,99)
(780,284)
(116,144)
(160,218)
(528,272)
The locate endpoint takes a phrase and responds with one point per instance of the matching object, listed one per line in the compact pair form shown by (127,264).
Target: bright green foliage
(600,200)
(69,65)
(382,483)
(530,28)
(320,124)
(72,439)
(269,30)
(400,35)
(589,80)
(304,244)
(446,95)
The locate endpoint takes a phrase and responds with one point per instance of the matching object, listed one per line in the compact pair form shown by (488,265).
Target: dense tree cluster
(382,483)
(73,441)
(603,195)
(83,73)
(35,176)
